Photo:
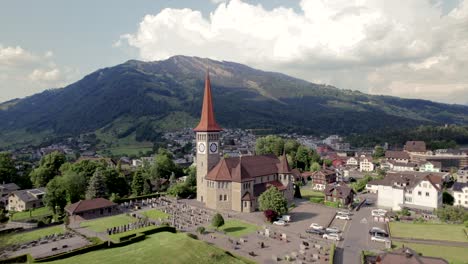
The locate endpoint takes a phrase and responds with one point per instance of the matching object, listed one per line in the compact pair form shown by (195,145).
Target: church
(234,183)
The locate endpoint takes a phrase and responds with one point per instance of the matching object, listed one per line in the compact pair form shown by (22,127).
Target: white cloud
(347,43)
(217,1)
(24,73)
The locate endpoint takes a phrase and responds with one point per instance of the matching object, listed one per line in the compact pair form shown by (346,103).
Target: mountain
(135,98)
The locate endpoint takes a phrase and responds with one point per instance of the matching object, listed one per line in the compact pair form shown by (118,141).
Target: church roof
(239,169)
(207,120)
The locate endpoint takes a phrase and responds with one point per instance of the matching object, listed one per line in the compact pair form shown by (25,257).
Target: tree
(3,216)
(7,168)
(297,190)
(303,157)
(269,145)
(181,190)
(172,179)
(192,176)
(447,198)
(97,186)
(75,186)
(379,152)
(217,220)
(270,215)
(201,230)
(452,214)
(49,167)
(163,165)
(55,197)
(138,183)
(315,167)
(115,181)
(272,199)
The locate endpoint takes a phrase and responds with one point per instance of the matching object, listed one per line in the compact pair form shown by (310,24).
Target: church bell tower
(207,138)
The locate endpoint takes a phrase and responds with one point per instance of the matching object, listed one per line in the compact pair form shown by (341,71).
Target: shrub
(270,215)
(217,220)
(466,223)
(318,200)
(192,235)
(200,230)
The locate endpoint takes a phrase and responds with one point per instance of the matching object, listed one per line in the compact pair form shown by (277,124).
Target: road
(356,236)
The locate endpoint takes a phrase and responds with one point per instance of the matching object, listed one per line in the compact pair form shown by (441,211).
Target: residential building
(403,255)
(460,194)
(88,209)
(430,166)
(365,163)
(321,178)
(24,200)
(414,190)
(393,165)
(462,175)
(398,156)
(234,183)
(415,147)
(339,193)
(352,161)
(5,190)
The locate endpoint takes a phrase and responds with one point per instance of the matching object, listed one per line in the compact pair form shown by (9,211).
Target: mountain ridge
(153,94)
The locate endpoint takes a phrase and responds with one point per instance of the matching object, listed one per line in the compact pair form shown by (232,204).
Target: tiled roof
(415,146)
(86,205)
(458,186)
(247,197)
(406,255)
(27,195)
(240,169)
(342,191)
(261,187)
(8,187)
(207,120)
(391,154)
(408,179)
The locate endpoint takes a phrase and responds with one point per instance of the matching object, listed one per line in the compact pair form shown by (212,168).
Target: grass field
(101,224)
(429,231)
(312,195)
(236,228)
(18,238)
(37,213)
(454,255)
(155,214)
(162,247)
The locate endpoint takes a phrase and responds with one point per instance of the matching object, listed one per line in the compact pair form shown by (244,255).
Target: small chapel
(234,183)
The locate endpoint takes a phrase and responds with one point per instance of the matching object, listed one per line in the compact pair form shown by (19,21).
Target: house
(88,209)
(415,147)
(352,161)
(398,156)
(403,255)
(460,194)
(431,166)
(339,193)
(234,183)
(24,200)
(413,190)
(297,176)
(365,163)
(400,166)
(323,177)
(336,163)
(462,175)
(5,190)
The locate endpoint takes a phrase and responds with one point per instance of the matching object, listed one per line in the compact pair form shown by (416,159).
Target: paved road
(356,237)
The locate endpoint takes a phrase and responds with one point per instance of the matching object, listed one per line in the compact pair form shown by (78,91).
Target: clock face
(213,147)
(201,147)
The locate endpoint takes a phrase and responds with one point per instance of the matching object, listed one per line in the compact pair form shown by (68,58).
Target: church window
(225,197)
(220,197)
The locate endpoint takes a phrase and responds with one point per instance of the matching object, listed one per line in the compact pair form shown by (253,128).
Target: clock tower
(207,138)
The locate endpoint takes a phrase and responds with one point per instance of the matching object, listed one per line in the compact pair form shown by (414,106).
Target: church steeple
(207,120)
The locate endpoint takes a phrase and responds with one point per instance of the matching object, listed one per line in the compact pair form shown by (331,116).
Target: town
(234,196)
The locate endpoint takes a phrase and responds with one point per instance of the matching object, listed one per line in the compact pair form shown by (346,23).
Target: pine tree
(97,186)
(138,183)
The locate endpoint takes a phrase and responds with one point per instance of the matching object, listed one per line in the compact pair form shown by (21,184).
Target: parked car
(279,222)
(342,217)
(377,229)
(378,212)
(368,201)
(344,212)
(332,236)
(332,229)
(380,239)
(316,226)
(378,233)
(315,232)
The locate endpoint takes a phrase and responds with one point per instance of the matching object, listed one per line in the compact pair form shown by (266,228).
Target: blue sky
(51,43)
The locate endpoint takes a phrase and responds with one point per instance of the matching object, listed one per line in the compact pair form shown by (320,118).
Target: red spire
(207,120)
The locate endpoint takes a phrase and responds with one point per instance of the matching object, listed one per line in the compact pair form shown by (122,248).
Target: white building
(365,163)
(430,166)
(460,194)
(418,191)
(352,161)
(462,175)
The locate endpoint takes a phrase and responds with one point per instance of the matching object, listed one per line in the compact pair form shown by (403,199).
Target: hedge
(136,238)
(332,253)
(26,258)
(159,229)
(127,237)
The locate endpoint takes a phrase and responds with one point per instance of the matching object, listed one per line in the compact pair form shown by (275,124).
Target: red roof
(86,205)
(207,120)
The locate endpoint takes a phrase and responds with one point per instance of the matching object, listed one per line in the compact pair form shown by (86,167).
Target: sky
(411,48)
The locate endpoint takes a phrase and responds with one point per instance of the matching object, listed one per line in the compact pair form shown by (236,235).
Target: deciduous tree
(273,199)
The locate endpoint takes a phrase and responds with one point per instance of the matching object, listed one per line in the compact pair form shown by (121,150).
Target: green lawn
(155,214)
(454,255)
(429,231)
(162,247)
(101,224)
(236,228)
(36,213)
(308,193)
(18,238)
